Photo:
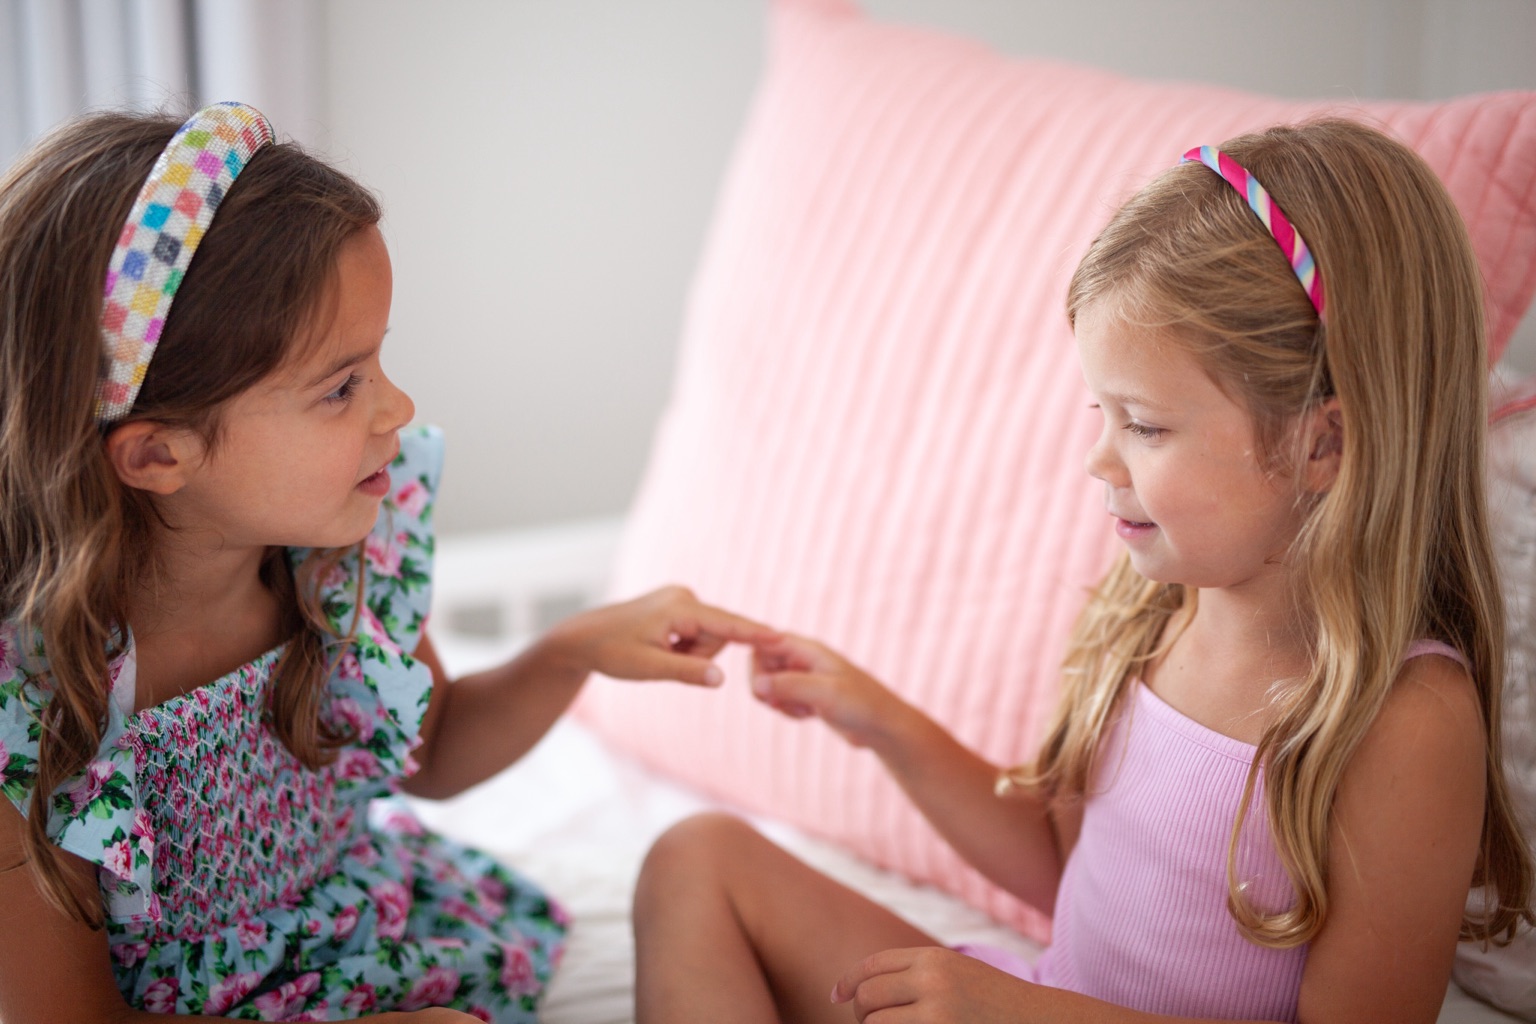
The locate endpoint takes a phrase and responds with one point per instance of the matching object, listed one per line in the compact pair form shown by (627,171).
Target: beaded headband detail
(163,230)
(1267,210)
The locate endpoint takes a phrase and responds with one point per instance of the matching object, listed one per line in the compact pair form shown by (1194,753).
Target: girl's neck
(205,612)
(1225,658)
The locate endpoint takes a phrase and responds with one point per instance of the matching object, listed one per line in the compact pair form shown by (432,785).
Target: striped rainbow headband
(1285,234)
(163,230)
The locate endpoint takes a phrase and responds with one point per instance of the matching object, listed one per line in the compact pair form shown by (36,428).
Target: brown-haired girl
(1275,772)
(215,555)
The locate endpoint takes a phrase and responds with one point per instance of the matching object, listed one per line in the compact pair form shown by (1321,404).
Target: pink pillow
(878,426)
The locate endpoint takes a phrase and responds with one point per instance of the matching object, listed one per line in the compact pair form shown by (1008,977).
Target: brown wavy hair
(74,541)
(1398,549)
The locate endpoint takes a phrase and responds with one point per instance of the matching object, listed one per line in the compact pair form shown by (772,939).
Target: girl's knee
(692,856)
(695,843)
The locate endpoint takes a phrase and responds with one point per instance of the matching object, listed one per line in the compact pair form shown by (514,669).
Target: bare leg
(730,927)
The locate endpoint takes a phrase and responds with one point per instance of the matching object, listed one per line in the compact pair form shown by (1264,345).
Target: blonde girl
(215,558)
(1275,774)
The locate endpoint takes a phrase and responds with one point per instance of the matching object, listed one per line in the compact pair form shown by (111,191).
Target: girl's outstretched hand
(931,985)
(666,634)
(801,678)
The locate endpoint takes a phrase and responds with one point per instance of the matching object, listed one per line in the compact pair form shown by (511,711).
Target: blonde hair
(1399,547)
(74,542)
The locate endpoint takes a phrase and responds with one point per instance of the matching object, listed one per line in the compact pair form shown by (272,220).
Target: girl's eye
(347,389)
(1144,430)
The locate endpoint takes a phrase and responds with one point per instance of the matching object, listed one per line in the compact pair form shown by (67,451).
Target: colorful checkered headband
(163,230)
(1285,234)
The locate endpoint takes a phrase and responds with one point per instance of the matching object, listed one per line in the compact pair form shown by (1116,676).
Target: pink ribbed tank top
(1141,913)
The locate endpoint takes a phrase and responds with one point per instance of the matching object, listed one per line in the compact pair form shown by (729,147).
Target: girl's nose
(395,408)
(1101,461)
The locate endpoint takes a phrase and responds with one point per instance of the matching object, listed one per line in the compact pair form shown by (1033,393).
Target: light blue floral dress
(239,883)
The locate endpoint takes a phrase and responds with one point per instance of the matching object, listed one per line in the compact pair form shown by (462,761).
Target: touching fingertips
(761,684)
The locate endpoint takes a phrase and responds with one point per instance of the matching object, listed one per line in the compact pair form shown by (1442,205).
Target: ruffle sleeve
(377,599)
(95,814)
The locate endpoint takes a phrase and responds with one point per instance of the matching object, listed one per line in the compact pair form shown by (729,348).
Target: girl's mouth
(1130,528)
(376,485)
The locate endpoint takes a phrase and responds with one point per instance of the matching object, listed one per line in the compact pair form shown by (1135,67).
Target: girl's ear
(150,456)
(1323,437)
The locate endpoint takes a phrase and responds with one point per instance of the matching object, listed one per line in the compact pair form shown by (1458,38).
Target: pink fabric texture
(1141,918)
(878,423)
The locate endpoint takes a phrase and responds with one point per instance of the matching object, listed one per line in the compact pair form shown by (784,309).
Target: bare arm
(478,725)
(1018,841)
(1406,830)
(52,967)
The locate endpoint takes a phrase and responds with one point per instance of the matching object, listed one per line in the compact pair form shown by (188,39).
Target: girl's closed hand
(930,985)
(666,634)
(801,677)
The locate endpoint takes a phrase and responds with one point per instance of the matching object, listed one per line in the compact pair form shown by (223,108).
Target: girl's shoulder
(1434,684)
(1430,727)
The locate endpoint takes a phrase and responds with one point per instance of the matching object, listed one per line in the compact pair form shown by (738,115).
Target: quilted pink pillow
(878,425)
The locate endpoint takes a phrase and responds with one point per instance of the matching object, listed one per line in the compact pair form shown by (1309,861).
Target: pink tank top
(1141,913)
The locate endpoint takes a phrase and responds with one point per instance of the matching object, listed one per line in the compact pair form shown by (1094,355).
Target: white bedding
(578,819)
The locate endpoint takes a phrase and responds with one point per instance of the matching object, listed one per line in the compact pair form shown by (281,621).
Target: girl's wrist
(899,734)
(559,655)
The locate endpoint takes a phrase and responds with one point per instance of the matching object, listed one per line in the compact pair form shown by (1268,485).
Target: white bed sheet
(578,819)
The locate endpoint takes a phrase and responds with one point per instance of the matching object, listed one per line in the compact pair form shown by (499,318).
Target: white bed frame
(578,818)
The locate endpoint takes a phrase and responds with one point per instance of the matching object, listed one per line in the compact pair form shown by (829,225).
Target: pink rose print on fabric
(5,759)
(435,988)
(370,626)
(361,999)
(345,922)
(334,577)
(350,713)
(517,975)
(491,890)
(143,830)
(288,998)
(384,555)
(129,953)
(480,1013)
(411,499)
(118,859)
(393,902)
(349,667)
(251,934)
(405,824)
(364,853)
(226,993)
(356,765)
(453,906)
(160,996)
(88,786)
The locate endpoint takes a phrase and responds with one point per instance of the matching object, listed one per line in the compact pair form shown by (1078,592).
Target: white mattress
(578,819)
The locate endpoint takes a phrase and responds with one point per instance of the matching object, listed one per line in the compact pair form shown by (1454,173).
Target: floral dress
(236,881)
